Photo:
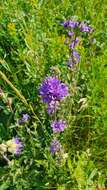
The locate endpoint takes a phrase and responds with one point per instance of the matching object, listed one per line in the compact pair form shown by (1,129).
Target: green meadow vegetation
(33,48)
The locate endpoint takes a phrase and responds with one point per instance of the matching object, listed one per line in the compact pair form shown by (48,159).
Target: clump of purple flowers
(24,119)
(58,126)
(55,146)
(77,24)
(85,28)
(72,39)
(52,91)
(71,24)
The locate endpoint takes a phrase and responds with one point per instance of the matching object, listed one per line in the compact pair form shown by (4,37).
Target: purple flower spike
(70,23)
(58,126)
(15,146)
(52,89)
(70,33)
(24,119)
(74,43)
(74,59)
(55,146)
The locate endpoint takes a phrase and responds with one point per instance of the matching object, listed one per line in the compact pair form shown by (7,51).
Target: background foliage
(31,42)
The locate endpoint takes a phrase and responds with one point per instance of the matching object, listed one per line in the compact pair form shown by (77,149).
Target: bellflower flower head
(84,28)
(70,23)
(52,107)
(15,146)
(70,33)
(73,43)
(58,126)
(74,59)
(55,146)
(52,89)
(24,119)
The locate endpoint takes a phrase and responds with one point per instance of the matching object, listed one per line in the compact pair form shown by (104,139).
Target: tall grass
(31,44)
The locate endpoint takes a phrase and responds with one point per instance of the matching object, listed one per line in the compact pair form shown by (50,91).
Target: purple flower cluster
(74,26)
(71,24)
(85,28)
(77,24)
(58,126)
(52,91)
